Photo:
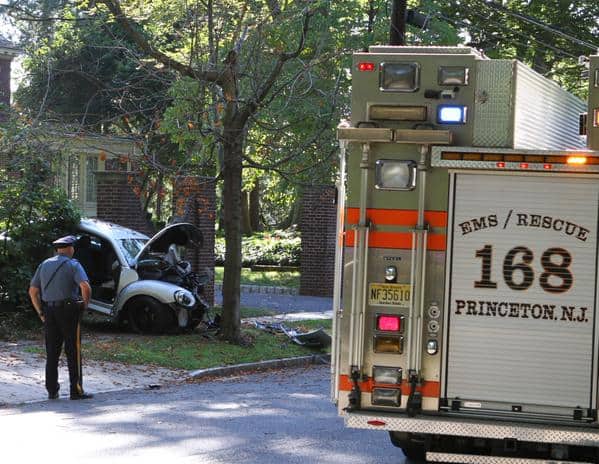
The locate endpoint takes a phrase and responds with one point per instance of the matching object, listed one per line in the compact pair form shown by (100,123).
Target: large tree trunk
(231,320)
(246,225)
(255,222)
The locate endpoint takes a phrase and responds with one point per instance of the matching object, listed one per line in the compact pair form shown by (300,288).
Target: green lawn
(197,351)
(272,278)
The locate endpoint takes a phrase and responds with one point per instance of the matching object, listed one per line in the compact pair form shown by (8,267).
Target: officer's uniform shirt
(61,287)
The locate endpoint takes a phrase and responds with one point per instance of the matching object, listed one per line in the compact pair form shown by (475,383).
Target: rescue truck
(465,303)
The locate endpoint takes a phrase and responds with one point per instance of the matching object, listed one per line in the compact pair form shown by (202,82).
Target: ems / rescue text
(521,219)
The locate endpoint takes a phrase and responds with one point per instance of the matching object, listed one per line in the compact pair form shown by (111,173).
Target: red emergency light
(366,66)
(388,323)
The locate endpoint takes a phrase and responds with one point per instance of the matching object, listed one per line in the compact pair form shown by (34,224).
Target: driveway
(282,303)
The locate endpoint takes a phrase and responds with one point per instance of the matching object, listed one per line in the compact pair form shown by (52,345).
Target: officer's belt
(54,304)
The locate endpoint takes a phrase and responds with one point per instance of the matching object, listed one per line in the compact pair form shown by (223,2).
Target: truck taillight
(386,396)
(388,323)
(366,66)
(387,375)
(388,344)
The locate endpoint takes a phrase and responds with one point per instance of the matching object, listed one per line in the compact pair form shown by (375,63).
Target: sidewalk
(22,375)
(22,372)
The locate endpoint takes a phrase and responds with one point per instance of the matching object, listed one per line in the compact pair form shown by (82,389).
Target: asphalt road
(277,417)
(282,303)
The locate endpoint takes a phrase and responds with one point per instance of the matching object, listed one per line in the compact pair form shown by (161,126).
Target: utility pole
(397,30)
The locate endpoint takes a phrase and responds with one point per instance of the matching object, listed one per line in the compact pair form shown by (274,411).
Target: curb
(225,371)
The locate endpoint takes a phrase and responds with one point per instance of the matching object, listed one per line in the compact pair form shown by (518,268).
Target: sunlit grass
(196,351)
(271,278)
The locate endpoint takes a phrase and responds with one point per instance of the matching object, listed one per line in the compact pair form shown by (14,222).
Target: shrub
(278,248)
(33,212)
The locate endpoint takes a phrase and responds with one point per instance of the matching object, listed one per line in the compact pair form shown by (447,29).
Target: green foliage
(514,29)
(281,248)
(259,277)
(33,211)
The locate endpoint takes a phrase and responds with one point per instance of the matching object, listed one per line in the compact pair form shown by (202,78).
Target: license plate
(389,294)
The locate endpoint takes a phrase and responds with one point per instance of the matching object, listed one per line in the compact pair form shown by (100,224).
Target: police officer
(53,290)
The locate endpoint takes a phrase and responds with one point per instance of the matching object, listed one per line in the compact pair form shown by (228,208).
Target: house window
(73,178)
(91,166)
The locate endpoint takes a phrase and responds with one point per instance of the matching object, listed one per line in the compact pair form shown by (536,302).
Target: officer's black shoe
(53,396)
(81,396)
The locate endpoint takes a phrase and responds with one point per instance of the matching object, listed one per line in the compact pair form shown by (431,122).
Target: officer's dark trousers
(62,326)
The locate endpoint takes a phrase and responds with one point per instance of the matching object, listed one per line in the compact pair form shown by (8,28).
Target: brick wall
(118,203)
(195,202)
(4,97)
(5,80)
(318,223)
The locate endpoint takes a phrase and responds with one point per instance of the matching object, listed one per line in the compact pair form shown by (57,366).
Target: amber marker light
(577,160)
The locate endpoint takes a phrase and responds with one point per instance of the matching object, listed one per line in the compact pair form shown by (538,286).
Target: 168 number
(519,259)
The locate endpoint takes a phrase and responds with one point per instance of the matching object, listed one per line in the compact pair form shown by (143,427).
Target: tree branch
(265,88)
(132,31)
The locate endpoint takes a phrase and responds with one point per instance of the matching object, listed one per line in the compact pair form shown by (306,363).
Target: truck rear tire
(413,446)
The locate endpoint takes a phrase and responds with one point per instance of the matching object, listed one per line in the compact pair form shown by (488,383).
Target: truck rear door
(521,293)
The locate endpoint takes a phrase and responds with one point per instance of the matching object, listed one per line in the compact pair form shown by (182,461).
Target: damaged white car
(142,281)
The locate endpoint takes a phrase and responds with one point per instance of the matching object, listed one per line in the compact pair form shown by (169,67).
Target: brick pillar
(195,202)
(118,203)
(318,223)
(5,63)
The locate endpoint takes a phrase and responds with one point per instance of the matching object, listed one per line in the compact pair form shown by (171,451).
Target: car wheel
(148,316)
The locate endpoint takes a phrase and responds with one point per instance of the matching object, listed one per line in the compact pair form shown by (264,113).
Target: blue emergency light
(451,114)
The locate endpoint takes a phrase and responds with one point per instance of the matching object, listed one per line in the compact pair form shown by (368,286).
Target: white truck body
(466,275)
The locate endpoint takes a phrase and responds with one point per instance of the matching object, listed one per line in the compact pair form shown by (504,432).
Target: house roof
(7,47)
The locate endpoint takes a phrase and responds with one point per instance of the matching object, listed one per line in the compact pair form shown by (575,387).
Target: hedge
(278,248)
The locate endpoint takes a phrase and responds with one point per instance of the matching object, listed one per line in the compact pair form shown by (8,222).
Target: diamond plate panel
(539,433)
(477,459)
(493,104)
(431,50)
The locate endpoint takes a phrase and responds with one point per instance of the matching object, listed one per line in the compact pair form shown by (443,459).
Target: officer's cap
(63,242)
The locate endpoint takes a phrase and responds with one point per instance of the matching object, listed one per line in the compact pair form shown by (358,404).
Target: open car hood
(181,234)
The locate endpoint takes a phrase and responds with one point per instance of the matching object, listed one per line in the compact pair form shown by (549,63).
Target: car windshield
(131,247)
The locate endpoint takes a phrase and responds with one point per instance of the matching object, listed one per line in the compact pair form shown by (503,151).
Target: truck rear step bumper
(478,459)
(476,427)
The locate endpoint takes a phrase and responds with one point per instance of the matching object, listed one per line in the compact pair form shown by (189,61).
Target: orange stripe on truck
(397,217)
(429,389)
(398,240)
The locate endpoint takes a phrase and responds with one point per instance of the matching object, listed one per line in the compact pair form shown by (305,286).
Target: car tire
(147,315)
